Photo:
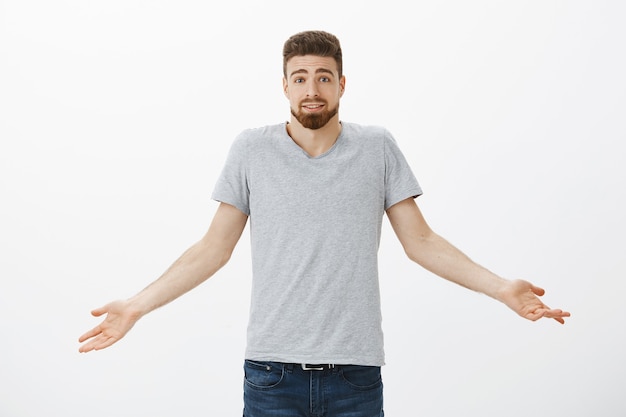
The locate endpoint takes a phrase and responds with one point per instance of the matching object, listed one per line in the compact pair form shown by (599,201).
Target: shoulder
(258,136)
(261,132)
(368,131)
(368,135)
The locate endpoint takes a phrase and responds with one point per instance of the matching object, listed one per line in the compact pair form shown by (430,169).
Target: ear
(342,85)
(285,87)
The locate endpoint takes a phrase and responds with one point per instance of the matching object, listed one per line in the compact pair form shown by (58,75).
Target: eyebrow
(317,71)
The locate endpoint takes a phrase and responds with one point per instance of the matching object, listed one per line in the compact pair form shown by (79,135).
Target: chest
(344,180)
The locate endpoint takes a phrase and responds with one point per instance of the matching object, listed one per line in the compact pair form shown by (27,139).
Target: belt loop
(288,367)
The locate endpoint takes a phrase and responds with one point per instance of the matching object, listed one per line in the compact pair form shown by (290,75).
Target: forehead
(311,63)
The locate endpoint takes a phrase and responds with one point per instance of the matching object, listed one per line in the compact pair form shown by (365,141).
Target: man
(315,189)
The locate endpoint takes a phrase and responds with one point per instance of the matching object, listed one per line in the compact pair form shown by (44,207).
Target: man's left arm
(423,246)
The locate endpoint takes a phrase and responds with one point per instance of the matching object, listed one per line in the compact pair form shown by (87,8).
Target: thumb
(537,290)
(100,311)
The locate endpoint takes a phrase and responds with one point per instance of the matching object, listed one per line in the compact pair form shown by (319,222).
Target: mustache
(308,101)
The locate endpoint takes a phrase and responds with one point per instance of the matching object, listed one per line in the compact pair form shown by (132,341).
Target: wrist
(139,305)
(498,288)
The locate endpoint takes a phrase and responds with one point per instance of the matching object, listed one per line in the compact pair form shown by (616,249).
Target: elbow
(413,250)
(224,258)
(414,256)
(417,248)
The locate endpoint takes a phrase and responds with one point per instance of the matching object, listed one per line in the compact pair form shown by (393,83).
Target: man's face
(313,88)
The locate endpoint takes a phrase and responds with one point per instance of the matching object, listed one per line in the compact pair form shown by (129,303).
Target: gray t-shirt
(315,227)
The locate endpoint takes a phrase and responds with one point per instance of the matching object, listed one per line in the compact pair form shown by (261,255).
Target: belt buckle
(309,367)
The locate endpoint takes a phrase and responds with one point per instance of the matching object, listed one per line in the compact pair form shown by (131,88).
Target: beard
(314,121)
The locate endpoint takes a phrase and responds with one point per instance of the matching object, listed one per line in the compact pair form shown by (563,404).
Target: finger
(557,314)
(98,343)
(87,347)
(539,313)
(91,333)
(105,343)
(92,345)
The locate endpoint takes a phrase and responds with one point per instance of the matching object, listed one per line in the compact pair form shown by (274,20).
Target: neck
(314,142)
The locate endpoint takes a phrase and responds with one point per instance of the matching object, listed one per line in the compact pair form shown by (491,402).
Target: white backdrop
(115,119)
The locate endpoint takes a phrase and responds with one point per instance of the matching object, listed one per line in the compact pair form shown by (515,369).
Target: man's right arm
(195,266)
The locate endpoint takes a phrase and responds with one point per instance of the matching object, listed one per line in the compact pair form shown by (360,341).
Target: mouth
(313,107)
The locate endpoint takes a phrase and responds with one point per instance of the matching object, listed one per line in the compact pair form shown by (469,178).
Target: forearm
(440,257)
(437,255)
(195,265)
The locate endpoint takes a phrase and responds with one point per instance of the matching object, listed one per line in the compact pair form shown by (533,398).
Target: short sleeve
(232,184)
(400,182)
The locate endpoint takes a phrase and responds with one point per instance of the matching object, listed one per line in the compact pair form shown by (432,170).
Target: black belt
(317,367)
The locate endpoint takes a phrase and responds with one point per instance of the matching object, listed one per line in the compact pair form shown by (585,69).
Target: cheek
(289,95)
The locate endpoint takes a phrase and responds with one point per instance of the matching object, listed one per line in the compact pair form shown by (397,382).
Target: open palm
(523,298)
(120,318)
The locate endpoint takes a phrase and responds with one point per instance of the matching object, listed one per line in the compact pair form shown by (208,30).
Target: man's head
(313,80)
(314,42)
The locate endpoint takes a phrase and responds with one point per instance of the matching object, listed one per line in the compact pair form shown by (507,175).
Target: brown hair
(314,42)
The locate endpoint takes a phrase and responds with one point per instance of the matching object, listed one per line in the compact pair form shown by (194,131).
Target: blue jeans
(273,389)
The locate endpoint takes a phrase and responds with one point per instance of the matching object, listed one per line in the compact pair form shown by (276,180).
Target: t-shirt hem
(328,359)
(235,204)
(414,193)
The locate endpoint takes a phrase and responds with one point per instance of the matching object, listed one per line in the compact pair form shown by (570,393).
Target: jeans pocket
(362,377)
(262,375)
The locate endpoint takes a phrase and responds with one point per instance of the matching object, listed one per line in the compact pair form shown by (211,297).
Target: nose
(312,90)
